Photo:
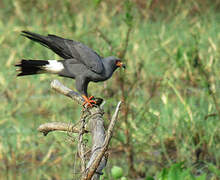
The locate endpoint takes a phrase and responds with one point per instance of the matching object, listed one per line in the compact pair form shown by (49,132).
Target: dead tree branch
(60,88)
(100,141)
(98,158)
(58,126)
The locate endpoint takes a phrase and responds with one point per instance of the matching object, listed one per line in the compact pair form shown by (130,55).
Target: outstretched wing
(68,49)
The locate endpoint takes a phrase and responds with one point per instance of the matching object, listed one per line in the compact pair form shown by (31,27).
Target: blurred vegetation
(170,89)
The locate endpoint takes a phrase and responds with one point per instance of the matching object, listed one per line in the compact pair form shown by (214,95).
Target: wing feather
(68,49)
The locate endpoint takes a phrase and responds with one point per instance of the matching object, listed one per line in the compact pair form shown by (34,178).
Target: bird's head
(115,62)
(120,64)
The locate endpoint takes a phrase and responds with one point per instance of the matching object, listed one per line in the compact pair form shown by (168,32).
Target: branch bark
(81,145)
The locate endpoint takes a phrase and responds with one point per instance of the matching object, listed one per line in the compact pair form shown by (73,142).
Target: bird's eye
(118,63)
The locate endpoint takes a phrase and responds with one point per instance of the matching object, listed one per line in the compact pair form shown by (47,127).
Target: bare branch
(59,87)
(105,38)
(123,52)
(93,167)
(58,126)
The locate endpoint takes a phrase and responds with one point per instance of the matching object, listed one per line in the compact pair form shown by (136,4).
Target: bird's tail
(43,40)
(30,67)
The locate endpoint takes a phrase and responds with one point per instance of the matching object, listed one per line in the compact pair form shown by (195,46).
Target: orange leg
(88,101)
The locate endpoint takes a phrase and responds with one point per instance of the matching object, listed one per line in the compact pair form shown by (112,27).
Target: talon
(91,97)
(88,101)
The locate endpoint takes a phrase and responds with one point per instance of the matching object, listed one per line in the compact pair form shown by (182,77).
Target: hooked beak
(120,64)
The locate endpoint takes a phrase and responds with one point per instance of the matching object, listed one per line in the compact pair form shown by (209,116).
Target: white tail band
(54,66)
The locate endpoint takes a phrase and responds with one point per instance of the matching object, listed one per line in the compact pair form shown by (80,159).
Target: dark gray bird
(80,63)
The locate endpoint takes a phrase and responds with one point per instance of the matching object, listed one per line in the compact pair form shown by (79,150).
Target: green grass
(170,104)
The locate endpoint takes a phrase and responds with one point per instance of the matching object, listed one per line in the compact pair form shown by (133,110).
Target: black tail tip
(30,67)
(19,64)
(22,62)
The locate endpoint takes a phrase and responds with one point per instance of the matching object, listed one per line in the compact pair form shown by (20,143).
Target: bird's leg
(81,86)
(89,100)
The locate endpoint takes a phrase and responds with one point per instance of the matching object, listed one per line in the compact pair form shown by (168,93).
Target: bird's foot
(89,101)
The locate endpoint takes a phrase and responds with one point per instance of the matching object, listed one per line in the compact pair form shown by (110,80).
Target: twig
(126,108)
(210,115)
(58,126)
(96,162)
(105,38)
(123,52)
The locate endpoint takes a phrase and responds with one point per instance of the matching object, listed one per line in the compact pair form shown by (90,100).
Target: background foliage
(170,89)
